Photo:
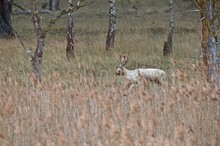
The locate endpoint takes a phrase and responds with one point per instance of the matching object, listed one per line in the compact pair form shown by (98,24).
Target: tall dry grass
(82,102)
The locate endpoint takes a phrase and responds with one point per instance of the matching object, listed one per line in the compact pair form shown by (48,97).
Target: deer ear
(125,58)
(120,56)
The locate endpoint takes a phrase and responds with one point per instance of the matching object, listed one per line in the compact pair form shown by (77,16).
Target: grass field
(82,102)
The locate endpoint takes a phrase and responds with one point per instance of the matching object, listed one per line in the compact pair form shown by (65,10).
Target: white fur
(135,75)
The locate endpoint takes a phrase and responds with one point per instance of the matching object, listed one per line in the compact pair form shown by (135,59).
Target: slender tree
(6,30)
(37,58)
(70,36)
(167,47)
(112,26)
(41,34)
(209,39)
(204,33)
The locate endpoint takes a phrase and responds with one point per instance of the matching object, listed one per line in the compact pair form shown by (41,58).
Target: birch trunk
(37,58)
(41,34)
(112,26)
(167,48)
(70,35)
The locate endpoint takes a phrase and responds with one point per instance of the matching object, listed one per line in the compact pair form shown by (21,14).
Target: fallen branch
(29,12)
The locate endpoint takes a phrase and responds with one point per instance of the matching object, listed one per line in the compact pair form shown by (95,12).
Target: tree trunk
(167,48)
(10,3)
(214,60)
(209,40)
(204,35)
(53,4)
(37,58)
(112,26)
(41,34)
(6,30)
(70,35)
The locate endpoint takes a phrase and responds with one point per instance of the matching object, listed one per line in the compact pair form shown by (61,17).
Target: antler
(123,59)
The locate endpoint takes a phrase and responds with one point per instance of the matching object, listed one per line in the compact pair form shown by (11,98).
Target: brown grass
(82,102)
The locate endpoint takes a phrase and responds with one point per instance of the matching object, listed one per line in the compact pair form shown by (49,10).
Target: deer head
(123,60)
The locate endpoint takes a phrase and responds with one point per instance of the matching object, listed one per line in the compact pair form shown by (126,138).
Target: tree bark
(10,2)
(70,35)
(53,4)
(6,30)
(214,60)
(41,34)
(167,48)
(209,40)
(204,34)
(112,26)
(37,58)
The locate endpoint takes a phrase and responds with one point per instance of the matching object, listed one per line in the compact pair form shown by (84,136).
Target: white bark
(167,48)
(112,26)
(70,35)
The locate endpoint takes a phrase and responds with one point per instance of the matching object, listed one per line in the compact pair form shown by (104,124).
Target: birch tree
(70,36)
(37,58)
(209,39)
(41,33)
(167,47)
(112,26)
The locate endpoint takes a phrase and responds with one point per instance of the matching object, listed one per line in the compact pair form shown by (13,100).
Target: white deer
(135,76)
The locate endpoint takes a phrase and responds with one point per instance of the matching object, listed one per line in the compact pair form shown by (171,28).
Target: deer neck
(126,71)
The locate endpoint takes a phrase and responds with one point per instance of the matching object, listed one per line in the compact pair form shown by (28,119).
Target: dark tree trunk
(112,26)
(70,35)
(53,4)
(10,5)
(167,48)
(6,30)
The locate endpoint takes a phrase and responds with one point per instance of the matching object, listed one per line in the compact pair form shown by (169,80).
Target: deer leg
(157,81)
(154,80)
(128,85)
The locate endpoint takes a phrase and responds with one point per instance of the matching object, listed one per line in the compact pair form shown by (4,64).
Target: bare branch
(20,7)
(70,9)
(41,34)
(28,50)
